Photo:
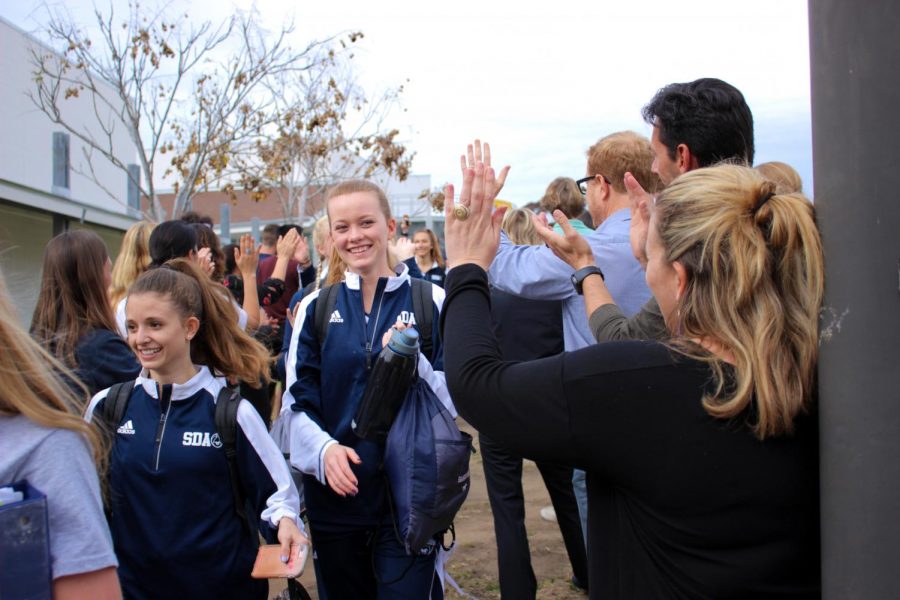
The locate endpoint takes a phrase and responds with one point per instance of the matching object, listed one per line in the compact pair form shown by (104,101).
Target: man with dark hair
(698,124)
(695,124)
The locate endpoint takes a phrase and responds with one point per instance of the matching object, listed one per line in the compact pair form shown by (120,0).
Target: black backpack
(423,308)
(110,413)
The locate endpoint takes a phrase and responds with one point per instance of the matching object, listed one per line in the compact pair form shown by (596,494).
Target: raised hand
(475,154)
(205,260)
(570,247)
(403,248)
(472,233)
(301,252)
(246,257)
(640,217)
(287,243)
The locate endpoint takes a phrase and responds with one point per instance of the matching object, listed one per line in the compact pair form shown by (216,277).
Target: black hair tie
(763,199)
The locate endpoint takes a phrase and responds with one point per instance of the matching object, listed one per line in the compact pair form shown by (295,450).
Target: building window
(61,163)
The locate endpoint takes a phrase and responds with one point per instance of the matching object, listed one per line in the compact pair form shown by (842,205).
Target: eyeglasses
(582,183)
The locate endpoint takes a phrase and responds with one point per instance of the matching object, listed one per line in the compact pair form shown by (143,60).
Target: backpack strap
(113,407)
(227,404)
(423,308)
(324,307)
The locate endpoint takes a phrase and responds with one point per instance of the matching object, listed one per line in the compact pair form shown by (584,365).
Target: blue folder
(25,546)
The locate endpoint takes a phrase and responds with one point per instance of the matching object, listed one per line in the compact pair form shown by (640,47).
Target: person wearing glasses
(534,272)
(565,195)
(696,124)
(702,450)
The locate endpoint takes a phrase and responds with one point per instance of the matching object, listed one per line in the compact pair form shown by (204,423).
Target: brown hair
(755,284)
(519,227)
(435,246)
(207,238)
(133,259)
(219,344)
(72,301)
(563,194)
(336,265)
(784,176)
(620,153)
(32,385)
(270,234)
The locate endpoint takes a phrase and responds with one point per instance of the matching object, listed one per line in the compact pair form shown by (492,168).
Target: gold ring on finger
(461,212)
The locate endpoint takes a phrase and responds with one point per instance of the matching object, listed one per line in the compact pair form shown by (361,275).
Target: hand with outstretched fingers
(338,473)
(204,260)
(246,256)
(474,237)
(403,248)
(570,246)
(640,217)
(301,252)
(476,153)
(287,243)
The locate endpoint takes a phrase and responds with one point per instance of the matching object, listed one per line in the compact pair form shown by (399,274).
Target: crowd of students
(656,359)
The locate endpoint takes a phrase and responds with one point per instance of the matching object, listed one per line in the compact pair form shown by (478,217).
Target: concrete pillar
(855,71)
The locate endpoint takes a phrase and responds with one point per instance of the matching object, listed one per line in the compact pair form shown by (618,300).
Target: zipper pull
(368,356)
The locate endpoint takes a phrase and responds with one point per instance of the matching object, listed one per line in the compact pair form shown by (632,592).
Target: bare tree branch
(163,81)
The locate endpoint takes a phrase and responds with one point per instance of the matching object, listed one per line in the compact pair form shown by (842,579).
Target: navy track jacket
(173,521)
(325,385)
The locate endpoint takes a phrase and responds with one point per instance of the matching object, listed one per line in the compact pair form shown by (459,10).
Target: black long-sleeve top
(681,505)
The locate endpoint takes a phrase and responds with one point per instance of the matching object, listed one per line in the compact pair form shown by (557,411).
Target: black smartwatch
(579,276)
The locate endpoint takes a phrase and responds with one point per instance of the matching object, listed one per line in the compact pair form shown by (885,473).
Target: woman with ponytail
(701,451)
(176,529)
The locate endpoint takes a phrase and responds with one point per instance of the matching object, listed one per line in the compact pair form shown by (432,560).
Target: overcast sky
(544,83)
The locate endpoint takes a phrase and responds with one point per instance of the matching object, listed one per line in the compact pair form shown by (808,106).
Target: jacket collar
(353,281)
(180,391)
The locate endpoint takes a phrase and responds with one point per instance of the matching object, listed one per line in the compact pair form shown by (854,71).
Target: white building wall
(26,133)
(31,209)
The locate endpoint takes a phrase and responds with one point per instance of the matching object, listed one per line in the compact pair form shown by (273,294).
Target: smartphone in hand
(268,563)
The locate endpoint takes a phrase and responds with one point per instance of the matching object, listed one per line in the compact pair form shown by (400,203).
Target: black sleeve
(307,276)
(587,408)
(520,405)
(269,291)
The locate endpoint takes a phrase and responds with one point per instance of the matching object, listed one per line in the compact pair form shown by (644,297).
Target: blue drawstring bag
(426,460)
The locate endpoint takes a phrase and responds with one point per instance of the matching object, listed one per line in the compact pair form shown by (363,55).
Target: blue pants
(579,484)
(347,563)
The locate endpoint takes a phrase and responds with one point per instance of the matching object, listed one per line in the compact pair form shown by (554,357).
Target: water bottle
(388,384)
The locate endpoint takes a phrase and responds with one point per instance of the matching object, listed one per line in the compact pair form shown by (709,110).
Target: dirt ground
(474,562)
